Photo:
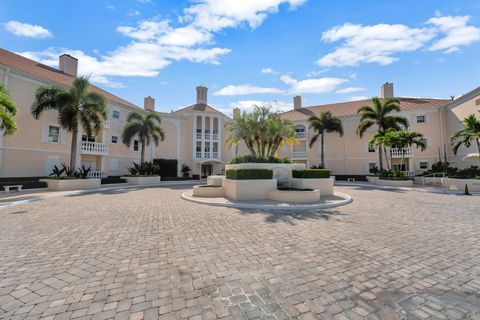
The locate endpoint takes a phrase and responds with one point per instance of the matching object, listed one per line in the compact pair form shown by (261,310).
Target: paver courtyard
(146,253)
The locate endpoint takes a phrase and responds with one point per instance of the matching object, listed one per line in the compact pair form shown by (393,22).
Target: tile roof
(344,109)
(197,107)
(49,74)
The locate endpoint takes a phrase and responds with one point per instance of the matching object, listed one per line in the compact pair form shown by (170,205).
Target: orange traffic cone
(466,193)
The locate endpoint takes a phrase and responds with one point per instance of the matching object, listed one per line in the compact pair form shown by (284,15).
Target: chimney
(149,104)
(236,113)
(297,102)
(387,91)
(202,94)
(68,64)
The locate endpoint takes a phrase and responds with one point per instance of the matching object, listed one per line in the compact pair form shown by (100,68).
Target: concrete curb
(429,190)
(346,200)
(80,192)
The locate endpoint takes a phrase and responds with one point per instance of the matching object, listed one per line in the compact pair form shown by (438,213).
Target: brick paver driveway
(147,254)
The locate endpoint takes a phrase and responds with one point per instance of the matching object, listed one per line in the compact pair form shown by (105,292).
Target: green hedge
(253,159)
(311,173)
(168,167)
(249,174)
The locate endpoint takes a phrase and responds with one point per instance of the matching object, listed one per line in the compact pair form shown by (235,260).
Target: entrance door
(206,170)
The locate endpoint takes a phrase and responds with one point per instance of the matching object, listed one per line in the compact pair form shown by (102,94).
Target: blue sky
(254,51)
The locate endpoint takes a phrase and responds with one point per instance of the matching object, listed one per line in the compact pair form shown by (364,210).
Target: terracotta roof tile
(344,109)
(44,72)
(197,107)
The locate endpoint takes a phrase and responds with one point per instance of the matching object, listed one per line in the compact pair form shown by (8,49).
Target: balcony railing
(96,148)
(207,136)
(300,135)
(215,137)
(206,155)
(198,155)
(299,155)
(199,136)
(215,155)
(397,152)
(97,175)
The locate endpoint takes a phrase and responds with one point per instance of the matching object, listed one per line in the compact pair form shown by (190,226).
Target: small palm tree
(380,115)
(147,128)
(468,135)
(77,108)
(325,123)
(8,110)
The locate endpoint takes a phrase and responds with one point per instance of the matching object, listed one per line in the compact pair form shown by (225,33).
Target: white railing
(199,136)
(437,177)
(94,148)
(397,152)
(215,155)
(409,174)
(207,136)
(300,135)
(97,175)
(215,137)
(206,155)
(299,155)
(198,155)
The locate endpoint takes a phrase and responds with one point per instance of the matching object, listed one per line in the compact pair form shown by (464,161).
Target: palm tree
(76,107)
(469,134)
(325,123)
(405,139)
(147,128)
(380,115)
(8,110)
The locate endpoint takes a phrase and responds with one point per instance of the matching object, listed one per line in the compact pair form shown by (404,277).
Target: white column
(220,138)
(203,135)
(102,163)
(194,138)
(179,165)
(211,136)
(78,161)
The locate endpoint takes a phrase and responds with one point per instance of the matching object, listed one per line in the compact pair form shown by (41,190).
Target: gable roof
(49,74)
(198,107)
(345,109)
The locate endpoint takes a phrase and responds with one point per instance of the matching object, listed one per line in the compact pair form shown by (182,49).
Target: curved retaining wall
(248,189)
(205,191)
(325,185)
(395,183)
(294,196)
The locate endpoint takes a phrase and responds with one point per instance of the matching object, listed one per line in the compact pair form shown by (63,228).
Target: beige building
(195,135)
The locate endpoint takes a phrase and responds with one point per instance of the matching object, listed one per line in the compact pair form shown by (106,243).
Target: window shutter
(45,133)
(63,136)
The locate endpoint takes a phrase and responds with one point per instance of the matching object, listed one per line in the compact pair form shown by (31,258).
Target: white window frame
(111,139)
(58,135)
(370,163)
(138,145)
(424,116)
(420,165)
(114,112)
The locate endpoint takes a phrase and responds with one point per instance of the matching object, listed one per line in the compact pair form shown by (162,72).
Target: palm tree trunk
(322,156)
(142,152)
(380,157)
(74,148)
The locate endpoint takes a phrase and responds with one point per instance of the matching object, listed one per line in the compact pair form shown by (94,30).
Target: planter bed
(459,184)
(72,184)
(215,180)
(294,195)
(208,191)
(142,179)
(325,185)
(249,189)
(373,179)
(395,183)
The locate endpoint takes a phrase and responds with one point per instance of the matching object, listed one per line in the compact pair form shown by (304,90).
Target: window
(199,146)
(423,165)
(371,148)
(372,167)
(399,167)
(114,140)
(421,119)
(53,134)
(116,114)
(88,138)
(135,145)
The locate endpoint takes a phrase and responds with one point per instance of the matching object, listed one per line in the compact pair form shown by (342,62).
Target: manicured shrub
(249,174)
(311,173)
(253,159)
(393,175)
(168,167)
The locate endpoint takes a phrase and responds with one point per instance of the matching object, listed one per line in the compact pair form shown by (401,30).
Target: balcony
(95,148)
(198,155)
(97,175)
(215,137)
(300,135)
(199,136)
(215,155)
(299,155)
(398,153)
(206,155)
(207,136)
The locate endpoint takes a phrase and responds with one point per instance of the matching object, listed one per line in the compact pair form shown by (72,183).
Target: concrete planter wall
(459,184)
(395,183)
(248,189)
(72,184)
(142,179)
(372,179)
(428,180)
(324,185)
(215,180)
(294,196)
(281,171)
(205,191)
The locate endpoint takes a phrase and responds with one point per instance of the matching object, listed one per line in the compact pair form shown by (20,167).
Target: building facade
(195,135)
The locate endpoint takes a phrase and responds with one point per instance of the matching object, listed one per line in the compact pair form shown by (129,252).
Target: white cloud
(456,33)
(133,13)
(267,71)
(320,85)
(27,30)
(372,44)
(246,89)
(357,98)
(249,105)
(350,90)
(287,79)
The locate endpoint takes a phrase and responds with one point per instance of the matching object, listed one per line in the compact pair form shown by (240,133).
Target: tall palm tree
(468,135)
(325,123)
(8,111)
(147,128)
(77,107)
(404,139)
(380,114)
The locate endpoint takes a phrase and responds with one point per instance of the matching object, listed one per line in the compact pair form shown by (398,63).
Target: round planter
(325,185)
(281,171)
(215,180)
(72,184)
(372,180)
(294,196)
(248,189)
(208,191)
